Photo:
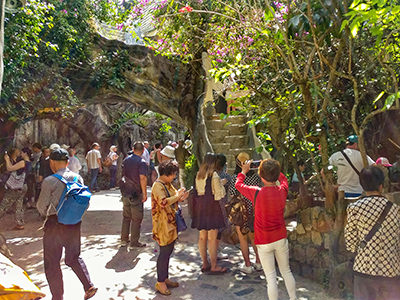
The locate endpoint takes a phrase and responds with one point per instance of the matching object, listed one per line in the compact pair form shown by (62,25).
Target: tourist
(207,213)
(270,234)
(377,262)
(44,165)
(146,153)
(347,173)
(15,188)
(113,168)
(73,163)
(220,168)
(181,154)
(167,153)
(36,155)
(93,159)
(164,199)
(134,194)
(30,180)
(58,236)
(295,183)
(384,164)
(156,155)
(245,231)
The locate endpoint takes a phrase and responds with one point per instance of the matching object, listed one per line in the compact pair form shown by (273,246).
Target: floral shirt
(163,209)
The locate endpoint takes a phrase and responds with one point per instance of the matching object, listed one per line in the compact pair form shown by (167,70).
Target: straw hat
(242,157)
(168,151)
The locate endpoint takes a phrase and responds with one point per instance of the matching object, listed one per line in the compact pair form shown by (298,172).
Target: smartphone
(255,164)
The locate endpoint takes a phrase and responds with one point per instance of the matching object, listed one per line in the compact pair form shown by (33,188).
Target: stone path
(130,275)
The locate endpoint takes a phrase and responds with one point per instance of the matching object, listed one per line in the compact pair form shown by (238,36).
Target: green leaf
(379,97)
(390,100)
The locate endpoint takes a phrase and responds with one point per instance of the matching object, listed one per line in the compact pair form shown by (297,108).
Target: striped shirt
(92,157)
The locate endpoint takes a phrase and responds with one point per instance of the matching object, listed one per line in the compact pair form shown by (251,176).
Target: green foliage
(43,39)
(191,169)
(109,68)
(165,126)
(128,117)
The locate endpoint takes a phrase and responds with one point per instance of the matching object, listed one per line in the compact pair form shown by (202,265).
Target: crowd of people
(252,199)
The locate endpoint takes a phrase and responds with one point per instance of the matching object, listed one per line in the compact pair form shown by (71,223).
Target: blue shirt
(133,166)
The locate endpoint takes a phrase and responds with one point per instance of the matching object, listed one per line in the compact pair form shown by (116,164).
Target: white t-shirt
(146,156)
(74,164)
(113,157)
(92,157)
(348,179)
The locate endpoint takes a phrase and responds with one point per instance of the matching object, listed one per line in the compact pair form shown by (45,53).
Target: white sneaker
(257,267)
(247,270)
(123,243)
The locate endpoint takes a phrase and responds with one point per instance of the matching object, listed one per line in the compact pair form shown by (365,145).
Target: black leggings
(163,261)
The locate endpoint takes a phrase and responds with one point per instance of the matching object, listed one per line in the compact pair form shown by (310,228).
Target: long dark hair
(208,166)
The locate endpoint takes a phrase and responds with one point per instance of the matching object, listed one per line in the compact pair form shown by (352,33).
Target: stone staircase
(230,137)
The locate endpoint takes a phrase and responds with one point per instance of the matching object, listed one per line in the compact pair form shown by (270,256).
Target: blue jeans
(93,179)
(113,176)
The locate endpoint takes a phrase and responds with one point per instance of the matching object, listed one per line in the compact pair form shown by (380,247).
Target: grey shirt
(52,189)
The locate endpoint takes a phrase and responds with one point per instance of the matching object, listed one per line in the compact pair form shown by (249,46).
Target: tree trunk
(3,7)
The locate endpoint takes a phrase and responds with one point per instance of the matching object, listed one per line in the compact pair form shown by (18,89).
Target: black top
(133,166)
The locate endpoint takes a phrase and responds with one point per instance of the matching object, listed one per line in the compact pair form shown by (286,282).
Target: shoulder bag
(180,221)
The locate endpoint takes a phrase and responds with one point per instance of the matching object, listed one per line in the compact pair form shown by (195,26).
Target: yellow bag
(15,284)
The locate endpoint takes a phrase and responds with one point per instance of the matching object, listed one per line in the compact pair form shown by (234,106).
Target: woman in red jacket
(269,224)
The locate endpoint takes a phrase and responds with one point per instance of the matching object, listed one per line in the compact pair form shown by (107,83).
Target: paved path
(130,275)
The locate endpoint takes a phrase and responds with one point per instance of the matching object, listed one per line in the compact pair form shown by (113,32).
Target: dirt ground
(123,274)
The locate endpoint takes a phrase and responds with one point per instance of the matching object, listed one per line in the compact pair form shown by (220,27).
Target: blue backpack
(74,201)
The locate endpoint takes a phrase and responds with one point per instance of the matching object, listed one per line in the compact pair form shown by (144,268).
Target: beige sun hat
(242,157)
(168,151)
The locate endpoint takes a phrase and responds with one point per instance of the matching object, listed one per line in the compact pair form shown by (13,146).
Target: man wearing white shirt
(93,160)
(146,153)
(74,164)
(348,179)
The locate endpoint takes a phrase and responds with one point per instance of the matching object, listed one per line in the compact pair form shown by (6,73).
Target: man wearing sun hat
(168,152)
(347,173)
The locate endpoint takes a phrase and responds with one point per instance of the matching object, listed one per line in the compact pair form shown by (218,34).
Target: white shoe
(257,267)
(124,243)
(247,270)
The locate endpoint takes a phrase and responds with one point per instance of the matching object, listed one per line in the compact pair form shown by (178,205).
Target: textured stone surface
(316,238)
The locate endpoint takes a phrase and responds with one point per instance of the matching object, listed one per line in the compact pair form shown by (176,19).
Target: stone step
(216,125)
(237,141)
(239,119)
(217,136)
(221,148)
(237,129)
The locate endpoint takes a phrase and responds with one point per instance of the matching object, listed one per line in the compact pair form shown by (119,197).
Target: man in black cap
(58,236)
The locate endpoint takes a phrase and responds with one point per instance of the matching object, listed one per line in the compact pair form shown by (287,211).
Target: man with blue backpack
(63,200)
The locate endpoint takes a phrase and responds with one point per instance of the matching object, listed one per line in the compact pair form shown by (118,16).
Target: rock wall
(309,242)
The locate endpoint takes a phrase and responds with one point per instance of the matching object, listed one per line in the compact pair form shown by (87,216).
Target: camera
(255,164)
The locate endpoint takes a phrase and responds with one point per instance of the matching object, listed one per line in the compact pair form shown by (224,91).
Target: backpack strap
(62,198)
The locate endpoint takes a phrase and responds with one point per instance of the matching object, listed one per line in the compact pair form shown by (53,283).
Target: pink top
(269,224)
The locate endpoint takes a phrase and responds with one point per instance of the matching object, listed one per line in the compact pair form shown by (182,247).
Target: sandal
(218,272)
(90,292)
(206,269)
(167,292)
(171,284)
